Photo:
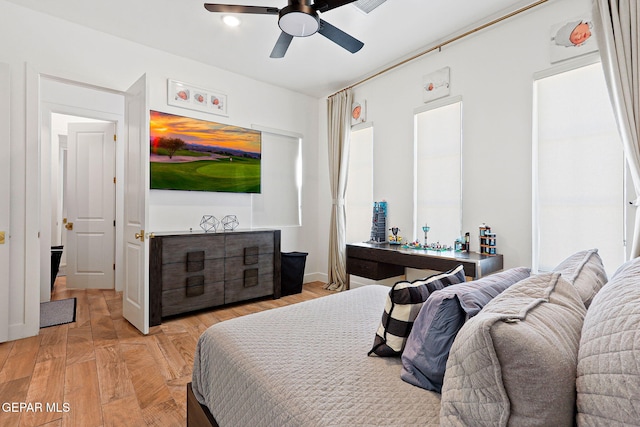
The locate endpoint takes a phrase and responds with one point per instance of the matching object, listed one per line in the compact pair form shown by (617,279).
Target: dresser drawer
(239,244)
(234,267)
(176,301)
(175,249)
(248,280)
(174,274)
(251,285)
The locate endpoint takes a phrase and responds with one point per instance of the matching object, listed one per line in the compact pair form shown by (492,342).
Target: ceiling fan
(298,19)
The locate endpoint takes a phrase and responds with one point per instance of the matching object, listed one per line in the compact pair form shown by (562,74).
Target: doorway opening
(80,162)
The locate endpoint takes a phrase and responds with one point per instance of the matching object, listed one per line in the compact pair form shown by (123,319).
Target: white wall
(492,70)
(35,43)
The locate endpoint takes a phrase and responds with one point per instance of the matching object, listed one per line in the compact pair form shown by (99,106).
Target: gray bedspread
(306,365)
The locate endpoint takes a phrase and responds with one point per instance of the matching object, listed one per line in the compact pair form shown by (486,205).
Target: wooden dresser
(193,271)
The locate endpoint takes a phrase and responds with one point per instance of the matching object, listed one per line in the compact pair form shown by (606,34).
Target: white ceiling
(312,65)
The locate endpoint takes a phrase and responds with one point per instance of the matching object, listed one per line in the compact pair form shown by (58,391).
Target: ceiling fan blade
(340,37)
(234,8)
(324,5)
(281,45)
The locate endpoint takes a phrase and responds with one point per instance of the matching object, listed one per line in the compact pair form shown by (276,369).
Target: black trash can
(292,266)
(56,254)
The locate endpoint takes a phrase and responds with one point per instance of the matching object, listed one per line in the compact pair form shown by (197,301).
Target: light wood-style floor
(100,371)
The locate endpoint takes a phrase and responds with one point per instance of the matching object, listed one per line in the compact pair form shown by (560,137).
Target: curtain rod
(440,45)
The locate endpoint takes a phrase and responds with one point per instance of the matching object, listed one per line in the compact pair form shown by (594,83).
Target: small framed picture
(436,84)
(179,93)
(185,95)
(218,102)
(358,112)
(200,98)
(572,37)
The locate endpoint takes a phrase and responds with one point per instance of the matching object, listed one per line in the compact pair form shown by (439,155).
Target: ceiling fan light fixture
(299,20)
(230,20)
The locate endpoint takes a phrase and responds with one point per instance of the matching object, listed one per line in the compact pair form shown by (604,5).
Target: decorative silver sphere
(230,222)
(209,222)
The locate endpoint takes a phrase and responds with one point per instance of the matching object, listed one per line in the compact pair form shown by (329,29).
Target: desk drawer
(372,269)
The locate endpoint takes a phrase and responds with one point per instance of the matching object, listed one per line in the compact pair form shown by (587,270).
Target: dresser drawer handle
(250,278)
(195,261)
(251,255)
(195,286)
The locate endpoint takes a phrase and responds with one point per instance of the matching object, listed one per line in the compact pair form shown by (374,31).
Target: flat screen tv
(192,154)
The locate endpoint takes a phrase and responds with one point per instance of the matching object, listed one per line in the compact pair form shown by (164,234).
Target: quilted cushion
(403,305)
(585,270)
(514,363)
(425,355)
(608,382)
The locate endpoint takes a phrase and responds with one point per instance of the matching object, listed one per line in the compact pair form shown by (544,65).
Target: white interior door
(135,297)
(5,188)
(90,201)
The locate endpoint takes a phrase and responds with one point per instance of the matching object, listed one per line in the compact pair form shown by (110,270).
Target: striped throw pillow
(402,307)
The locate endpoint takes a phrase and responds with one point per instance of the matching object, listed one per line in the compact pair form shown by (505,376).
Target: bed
(304,365)
(554,348)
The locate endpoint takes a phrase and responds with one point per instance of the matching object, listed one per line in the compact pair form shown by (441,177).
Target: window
(578,169)
(279,202)
(438,172)
(359,194)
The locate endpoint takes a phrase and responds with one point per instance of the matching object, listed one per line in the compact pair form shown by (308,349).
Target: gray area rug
(57,312)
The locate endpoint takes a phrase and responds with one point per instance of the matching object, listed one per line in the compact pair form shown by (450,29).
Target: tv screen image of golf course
(191,154)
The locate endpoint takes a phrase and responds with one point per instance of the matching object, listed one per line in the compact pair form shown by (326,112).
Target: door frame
(5,198)
(26,320)
(47,104)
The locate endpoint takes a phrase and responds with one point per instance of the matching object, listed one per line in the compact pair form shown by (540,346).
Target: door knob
(69,226)
(140,235)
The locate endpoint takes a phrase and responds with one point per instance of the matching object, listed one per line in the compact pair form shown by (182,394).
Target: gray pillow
(608,382)
(515,362)
(586,272)
(403,304)
(425,355)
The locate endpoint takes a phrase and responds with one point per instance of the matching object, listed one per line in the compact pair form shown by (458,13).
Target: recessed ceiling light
(231,20)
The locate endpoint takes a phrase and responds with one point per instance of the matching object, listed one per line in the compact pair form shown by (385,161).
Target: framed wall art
(198,155)
(358,112)
(435,85)
(572,37)
(185,95)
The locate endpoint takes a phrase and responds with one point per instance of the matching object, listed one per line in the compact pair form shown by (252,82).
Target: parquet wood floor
(100,371)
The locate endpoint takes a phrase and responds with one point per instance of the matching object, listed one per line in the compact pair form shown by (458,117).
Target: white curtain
(617,28)
(339,131)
